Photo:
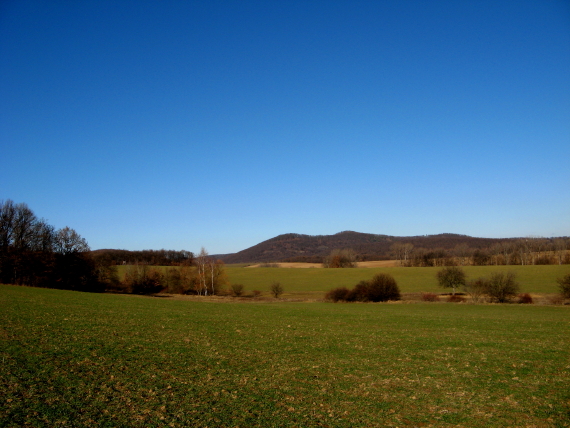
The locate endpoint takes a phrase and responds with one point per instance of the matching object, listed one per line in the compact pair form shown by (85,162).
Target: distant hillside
(307,248)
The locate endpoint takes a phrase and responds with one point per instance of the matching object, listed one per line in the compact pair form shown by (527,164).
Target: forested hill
(307,248)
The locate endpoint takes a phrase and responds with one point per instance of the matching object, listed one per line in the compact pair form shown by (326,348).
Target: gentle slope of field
(77,359)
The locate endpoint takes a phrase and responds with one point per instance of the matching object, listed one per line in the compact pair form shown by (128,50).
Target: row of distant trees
(524,251)
(34,253)
(206,276)
(148,257)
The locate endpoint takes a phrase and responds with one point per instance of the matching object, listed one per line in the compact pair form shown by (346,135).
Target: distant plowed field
(380,263)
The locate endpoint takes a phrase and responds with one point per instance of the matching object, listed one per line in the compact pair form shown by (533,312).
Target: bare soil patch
(372,264)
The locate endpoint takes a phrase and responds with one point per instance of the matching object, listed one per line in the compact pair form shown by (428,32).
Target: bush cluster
(451,277)
(237,289)
(276,289)
(340,259)
(502,287)
(499,287)
(525,298)
(380,288)
(564,284)
(141,279)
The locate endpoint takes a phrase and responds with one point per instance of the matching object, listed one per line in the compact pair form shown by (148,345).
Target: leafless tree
(397,251)
(463,252)
(407,251)
(68,241)
(7,214)
(502,287)
(341,259)
(23,227)
(211,275)
(217,275)
(560,249)
(476,288)
(201,263)
(496,251)
(276,289)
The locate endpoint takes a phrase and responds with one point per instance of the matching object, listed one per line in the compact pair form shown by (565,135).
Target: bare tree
(560,249)
(217,275)
(407,251)
(463,252)
(496,251)
(68,241)
(7,214)
(211,274)
(564,284)
(502,287)
(276,289)
(476,288)
(23,227)
(44,237)
(341,259)
(540,246)
(398,251)
(522,249)
(201,263)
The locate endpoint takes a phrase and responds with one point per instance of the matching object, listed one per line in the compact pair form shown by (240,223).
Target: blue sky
(179,124)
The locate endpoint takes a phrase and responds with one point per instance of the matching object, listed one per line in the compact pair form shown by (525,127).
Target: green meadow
(315,282)
(78,359)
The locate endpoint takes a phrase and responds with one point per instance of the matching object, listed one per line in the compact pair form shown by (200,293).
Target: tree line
(206,276)
(34,253)
(149,257)
(521,251)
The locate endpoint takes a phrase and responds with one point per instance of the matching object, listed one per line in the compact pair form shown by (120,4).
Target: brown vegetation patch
(372,264)
(379,263)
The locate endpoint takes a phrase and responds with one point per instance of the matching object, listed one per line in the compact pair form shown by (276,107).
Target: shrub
(476,288)
(451,277)
(502,287)
(172,280)
(545,260)
(380,288)
(237,289)
(556,299)
(383,287)
(340,259)
(140,279)
(564,285)
(256,293)
(337,295)
(454,298)
(359,293)
(276,289)
(430,297)
(525,298)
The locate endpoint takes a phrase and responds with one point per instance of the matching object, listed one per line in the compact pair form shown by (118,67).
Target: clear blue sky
(182,124)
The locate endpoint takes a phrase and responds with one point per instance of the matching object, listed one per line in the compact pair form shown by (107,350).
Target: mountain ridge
(368,246)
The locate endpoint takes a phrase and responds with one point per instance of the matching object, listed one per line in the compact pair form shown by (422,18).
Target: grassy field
(78,359)
(315,282)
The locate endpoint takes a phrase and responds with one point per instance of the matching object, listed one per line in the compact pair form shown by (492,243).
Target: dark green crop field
(77,359)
